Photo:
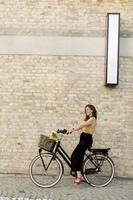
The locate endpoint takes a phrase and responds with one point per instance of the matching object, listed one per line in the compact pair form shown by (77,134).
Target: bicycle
(46,169)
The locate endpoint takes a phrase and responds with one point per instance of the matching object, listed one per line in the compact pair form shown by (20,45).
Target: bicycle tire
(42,177)
(95,177)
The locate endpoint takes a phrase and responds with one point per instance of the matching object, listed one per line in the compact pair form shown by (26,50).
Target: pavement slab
(20,187)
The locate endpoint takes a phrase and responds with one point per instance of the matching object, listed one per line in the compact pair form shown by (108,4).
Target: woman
(88,127)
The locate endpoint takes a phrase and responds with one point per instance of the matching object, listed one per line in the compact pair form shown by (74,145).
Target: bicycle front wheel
(45,172)
(100,171)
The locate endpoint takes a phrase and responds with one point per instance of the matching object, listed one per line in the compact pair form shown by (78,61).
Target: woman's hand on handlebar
(70,130)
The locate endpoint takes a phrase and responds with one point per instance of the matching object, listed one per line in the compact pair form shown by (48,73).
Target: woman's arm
(82,124)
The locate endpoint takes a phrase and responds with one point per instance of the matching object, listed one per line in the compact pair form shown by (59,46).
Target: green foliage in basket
(54,135)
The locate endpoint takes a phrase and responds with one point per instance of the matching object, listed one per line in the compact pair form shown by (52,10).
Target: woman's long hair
(94,113)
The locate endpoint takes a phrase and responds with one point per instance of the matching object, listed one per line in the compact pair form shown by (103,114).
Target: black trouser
(78,153)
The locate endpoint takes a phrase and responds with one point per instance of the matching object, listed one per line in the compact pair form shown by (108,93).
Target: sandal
(77,181)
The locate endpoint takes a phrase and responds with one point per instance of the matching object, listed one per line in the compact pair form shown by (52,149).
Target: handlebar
(63,131)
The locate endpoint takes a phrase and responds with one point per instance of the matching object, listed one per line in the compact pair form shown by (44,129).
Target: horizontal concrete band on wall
(80,46)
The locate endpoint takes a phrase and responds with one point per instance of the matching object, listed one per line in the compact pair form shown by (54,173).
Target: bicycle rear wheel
(46,175)
(102,174)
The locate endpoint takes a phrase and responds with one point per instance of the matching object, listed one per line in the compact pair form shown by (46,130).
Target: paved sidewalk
(18,187)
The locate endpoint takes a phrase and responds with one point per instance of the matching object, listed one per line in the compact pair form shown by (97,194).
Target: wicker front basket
(46,143)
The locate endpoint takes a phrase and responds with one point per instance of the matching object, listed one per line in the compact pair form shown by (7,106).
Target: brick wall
(62,17)
(40,93)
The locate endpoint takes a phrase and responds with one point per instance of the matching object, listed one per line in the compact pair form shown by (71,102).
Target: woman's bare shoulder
(92,119)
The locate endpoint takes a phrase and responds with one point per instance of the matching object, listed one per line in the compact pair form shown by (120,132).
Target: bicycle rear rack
(103,151)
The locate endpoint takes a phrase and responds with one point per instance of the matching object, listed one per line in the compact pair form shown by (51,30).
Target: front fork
(40,150)
(45,167)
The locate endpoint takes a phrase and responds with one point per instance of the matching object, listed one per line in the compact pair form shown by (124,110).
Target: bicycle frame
(64,155)
(58,149)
